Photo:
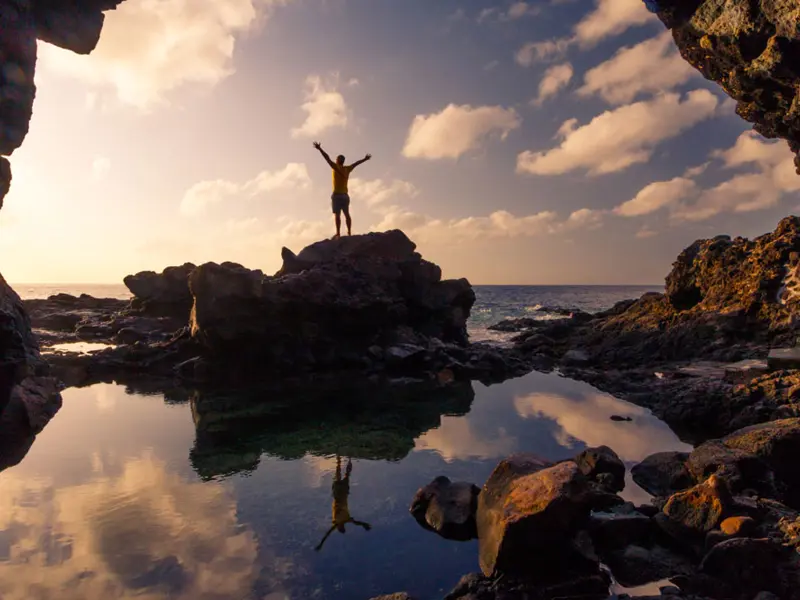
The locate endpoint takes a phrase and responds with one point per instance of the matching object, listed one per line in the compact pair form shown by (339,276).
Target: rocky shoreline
(219,329)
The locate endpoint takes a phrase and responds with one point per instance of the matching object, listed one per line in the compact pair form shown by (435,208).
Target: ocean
(493,302)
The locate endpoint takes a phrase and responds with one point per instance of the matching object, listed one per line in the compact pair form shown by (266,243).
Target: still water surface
(122,497)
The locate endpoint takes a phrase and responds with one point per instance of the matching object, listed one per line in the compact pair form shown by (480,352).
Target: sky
(541,142)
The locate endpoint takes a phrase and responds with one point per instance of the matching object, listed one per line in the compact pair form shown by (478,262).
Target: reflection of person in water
(341,513)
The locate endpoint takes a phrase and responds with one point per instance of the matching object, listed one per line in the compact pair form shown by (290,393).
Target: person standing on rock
(340,199)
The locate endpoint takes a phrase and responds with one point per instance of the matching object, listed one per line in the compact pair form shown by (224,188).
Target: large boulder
(663,473)
(447,508)
(700,509)
(777,445)
(327,306)
(751,50)
(164,293)
(528,513)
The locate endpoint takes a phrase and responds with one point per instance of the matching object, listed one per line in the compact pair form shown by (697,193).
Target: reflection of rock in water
(355,419)
(146,533)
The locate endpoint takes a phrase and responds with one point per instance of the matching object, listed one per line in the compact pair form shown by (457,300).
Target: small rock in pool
(619,418)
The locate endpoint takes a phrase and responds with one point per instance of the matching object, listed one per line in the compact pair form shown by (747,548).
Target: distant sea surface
(493,302)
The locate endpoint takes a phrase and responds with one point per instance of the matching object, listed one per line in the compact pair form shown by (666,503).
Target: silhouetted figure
(340,199)
(341,513)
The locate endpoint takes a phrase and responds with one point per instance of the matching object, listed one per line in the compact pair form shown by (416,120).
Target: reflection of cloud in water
(456,440)
(147,534)
(318,468)
(586,419)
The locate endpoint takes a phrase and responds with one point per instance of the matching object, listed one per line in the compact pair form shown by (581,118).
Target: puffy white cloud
(610,18)
(555,79)
(619,138)
(152,47)
(516,10)
(652,66)
(455,439)
(656,196)
(457,130)
(197,200)
(325,107)
(499,224)
(773,178)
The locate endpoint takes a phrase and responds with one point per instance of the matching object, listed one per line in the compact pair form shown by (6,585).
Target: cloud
(377,192)
(652,66)
(516,10)
(150,48)
(534,52)
(325,108)
(455,439)
(457,130)
(774,177)
(609,18)
(101,165)
(657,195)
(619,138)
(201,196)
(497,225)
(555,79)
(645,233)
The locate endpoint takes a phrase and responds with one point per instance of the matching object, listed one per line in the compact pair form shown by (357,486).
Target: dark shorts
(339,203)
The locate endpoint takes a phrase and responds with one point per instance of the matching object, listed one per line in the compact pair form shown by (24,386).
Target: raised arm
(361,162)
(327,158)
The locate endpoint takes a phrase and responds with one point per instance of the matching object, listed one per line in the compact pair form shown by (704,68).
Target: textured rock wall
(752,49)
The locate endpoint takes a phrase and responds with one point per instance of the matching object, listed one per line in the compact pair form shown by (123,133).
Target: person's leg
(338,224)
(349,221)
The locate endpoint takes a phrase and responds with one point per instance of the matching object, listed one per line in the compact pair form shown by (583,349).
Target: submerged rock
(530,517)
(448,508)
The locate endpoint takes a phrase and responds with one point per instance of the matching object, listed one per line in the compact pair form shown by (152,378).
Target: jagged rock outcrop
(752,50)
(328,306)
(164,293)
(71,24)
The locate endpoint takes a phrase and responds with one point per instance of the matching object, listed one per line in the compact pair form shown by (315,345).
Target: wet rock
(576,357)
(448,508)
(602,460)
(663,473)
(738,526)
(529,517)
(165,293)
(745,564)
(514,325)
(637,565)
(701,508)
(777,444)
(619,527)
(740,469)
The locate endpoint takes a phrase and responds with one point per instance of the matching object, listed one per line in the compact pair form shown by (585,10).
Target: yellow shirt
(340,177)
